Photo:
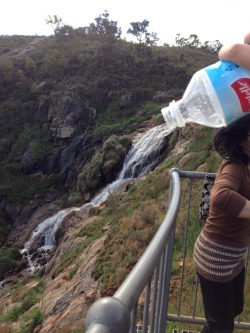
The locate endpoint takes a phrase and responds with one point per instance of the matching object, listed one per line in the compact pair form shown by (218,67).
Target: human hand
(238,53)
(247,38)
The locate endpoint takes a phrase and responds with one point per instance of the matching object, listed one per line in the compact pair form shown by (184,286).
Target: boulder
(161,97)
(126,101)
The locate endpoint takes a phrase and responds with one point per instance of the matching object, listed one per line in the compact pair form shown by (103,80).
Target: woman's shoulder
(233,168)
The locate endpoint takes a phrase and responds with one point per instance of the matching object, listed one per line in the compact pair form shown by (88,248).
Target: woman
(220,249)
(238,53)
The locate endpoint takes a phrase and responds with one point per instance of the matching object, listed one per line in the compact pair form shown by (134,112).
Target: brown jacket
(220,249)
(228,197)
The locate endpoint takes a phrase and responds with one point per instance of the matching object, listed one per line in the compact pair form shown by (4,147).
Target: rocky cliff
(67,122)
(70,289)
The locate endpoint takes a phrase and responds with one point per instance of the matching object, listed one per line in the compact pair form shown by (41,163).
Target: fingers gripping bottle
(216,96)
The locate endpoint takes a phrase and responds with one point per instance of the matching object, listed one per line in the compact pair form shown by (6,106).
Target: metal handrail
(152,273)
(102,314)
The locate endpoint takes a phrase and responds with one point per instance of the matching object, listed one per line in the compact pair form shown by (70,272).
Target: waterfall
(142,157)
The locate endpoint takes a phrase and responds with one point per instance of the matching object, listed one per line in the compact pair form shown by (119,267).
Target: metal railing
(144,297)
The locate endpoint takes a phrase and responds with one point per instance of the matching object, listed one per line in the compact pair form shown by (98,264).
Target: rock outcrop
(67,298)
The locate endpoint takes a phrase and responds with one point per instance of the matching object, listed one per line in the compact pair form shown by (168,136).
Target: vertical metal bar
(158,304)
(167,280)
(133,318)
(167,274)
(146,307)
(153,326)
(195,296)
(185,247)
(154,298)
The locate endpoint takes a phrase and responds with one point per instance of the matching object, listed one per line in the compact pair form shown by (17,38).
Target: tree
(213,47)
(192,41)
(140,31)
(61,30)
(65,32)
(152,39)
(55,22)
(104,27)
(179,41)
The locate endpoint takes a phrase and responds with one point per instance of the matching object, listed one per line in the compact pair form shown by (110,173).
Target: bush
(114,150)
(31,320)
(10,259)
(13,314)
(90,177)
(24,312)
(4,227)
(116,146)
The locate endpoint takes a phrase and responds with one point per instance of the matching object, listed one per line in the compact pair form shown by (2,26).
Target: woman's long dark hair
(228,140)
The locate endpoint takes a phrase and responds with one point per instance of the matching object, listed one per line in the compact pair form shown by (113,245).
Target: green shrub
(31,320)
(20,188)
(27,297)
(114,150)
(90,229)
(31,298)
(73,271)
(4,227)
(10,259)
(116,147)
(40,146)
(90,177)
(13,314)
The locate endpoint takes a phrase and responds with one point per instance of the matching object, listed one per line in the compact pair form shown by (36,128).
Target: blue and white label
(232,85)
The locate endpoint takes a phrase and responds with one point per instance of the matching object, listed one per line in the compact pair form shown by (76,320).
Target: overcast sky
(225,20)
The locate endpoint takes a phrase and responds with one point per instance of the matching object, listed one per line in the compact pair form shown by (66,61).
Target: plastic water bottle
(216,96)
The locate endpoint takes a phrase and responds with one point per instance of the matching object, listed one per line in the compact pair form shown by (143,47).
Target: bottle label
(242,89)
(232,86)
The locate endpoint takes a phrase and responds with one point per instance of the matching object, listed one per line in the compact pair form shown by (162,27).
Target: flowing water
(142,157)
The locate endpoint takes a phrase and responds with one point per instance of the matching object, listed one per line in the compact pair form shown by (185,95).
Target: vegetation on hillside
(26,310)
(98,66)
(10,259)
(104,68)
(99,63)
(134,217)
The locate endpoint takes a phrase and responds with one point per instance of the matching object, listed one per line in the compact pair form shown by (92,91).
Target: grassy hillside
(131,219)
(102,72)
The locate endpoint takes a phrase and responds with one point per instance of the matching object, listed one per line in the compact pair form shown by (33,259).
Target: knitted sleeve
(225,194)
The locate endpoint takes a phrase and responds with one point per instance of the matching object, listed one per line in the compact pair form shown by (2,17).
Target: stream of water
(142,157)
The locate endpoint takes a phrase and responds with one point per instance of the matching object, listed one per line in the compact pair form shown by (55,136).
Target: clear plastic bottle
(216,96)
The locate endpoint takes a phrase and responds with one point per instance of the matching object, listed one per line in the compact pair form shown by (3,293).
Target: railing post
(108,315)
(167,275)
